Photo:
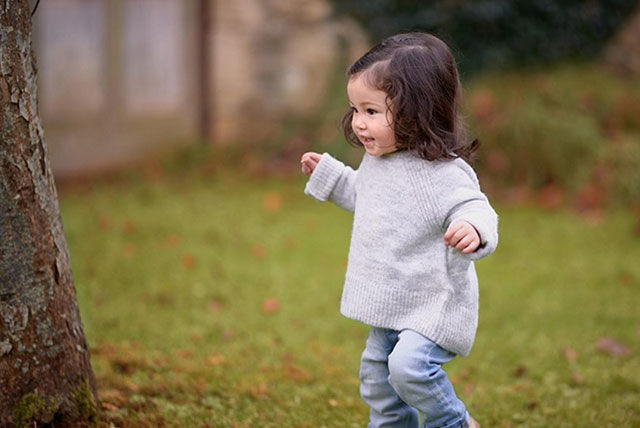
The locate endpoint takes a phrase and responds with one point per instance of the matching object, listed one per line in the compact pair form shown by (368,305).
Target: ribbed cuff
(487,231)
(324,178)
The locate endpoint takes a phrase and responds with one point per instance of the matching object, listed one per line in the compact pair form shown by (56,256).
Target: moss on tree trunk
(45,373)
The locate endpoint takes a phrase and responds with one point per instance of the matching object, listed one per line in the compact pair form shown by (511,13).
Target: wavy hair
(419,75)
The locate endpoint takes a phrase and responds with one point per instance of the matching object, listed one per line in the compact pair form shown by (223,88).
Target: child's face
(371,120)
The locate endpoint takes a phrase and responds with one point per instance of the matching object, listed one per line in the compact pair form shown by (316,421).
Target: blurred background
(552,86)
(209,285)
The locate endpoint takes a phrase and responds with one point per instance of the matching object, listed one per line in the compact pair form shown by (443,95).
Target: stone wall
(120,79)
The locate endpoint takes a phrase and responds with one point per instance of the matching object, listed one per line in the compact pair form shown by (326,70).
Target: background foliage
(498,33)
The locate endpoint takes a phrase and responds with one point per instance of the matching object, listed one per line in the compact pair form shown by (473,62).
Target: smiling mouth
(366,140)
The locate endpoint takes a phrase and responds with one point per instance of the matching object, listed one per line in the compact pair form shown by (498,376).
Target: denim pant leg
(387,409)
(416,374)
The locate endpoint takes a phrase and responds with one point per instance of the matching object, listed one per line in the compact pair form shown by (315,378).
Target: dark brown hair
(420,76)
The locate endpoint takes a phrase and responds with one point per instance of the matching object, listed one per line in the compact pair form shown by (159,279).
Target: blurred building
(121,79)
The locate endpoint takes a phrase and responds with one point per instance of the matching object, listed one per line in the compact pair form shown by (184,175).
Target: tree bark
(45,373)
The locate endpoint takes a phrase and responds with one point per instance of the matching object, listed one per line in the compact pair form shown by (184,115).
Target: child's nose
(358,122)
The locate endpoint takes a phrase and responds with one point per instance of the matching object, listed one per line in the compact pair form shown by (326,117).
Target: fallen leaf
(172,241)
(532,405)
(129,250)
(612,347)
(258,251)
(569,354)
(110,407)
(291,243)
(129,226)
(216,359)
(184,353)
(626,278)
(468,388)
(188,260)
(333,403)
(215,306)
(272,202)
(270,306)
(113,396)
(260,391)
(577,378)
(105,223)
(296,373)
(520,371)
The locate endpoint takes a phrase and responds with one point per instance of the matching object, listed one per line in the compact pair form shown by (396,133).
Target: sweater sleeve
(333,180)
(458,197)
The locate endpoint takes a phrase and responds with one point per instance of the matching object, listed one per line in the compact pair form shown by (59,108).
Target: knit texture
(400,275)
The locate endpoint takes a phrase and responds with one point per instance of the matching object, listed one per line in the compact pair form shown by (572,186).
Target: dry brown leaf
(569,354)
(296,373)
(110,407)
(188,260)
(577,378)
(214,306)
(520,371)
(216,359)
(184,353)
(272,202)
(105,223)
(129,227)
(172,241)
(270,306)
(468,388)
(113,396)
(333,403)
(129,250)
(258,251)
(260,391)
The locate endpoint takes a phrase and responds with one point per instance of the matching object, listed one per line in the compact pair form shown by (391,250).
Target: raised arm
(330,179)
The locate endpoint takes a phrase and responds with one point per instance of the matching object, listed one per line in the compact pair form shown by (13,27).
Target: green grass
(172,274)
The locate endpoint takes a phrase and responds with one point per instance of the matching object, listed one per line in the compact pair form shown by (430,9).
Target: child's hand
(462,236)
(309,162)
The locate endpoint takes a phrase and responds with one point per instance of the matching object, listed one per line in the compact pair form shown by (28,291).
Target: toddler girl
(420,220)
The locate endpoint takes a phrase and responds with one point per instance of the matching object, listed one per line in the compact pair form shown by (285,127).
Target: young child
(420,220)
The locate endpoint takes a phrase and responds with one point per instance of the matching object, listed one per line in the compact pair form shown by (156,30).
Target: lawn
(212,300)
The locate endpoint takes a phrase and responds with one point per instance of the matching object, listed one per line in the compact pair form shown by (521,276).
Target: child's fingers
(471,247)
(311,156)
(452,235)
(464,242)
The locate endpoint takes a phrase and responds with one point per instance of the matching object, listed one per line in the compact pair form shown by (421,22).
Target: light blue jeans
(401,374)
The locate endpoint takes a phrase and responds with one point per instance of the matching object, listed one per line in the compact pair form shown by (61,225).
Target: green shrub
(498,33)
(574,127)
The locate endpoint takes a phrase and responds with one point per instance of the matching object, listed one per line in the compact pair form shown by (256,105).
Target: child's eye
(371,111)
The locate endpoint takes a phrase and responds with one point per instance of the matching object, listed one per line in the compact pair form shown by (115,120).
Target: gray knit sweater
(400,275)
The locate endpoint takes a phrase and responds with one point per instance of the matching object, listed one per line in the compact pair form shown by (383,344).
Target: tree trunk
(45,374)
